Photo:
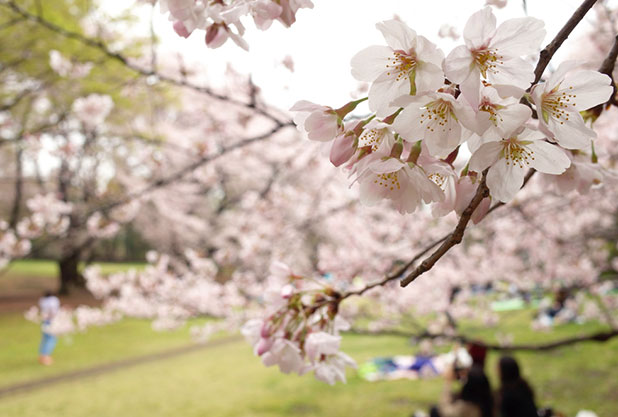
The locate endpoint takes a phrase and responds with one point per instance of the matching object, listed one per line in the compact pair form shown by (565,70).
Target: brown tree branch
(601,336)
(455,237)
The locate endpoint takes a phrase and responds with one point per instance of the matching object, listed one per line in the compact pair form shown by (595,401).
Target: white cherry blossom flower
(284,354)
(498,116)
(494,54)
(562,97)
(332,369)
(321,343)
(404,183)
(436,118)
(409,64)
(509,160)
(93,109)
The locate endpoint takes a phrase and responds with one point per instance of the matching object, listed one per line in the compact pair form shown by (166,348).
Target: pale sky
(323,41)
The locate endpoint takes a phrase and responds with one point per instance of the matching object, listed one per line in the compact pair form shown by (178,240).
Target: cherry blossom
(409,64)
(494,54)
(560,100)
(435,117)
(93,109)
(217,18)
(404,183)
(509,160)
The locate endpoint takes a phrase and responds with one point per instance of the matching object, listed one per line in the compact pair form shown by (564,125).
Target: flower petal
(548,158)
(368,64)
(485,156)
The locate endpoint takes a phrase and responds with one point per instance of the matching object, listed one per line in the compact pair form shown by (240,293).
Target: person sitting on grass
(474,400)
(49,305)
(515,398)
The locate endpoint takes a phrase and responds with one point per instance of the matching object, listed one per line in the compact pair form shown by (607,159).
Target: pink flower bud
(263,346)
(287,291)
(265,331)
(342,150)
(216,35)
(481,210)
(181,29)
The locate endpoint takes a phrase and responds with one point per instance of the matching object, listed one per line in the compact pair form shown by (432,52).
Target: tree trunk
(69,273)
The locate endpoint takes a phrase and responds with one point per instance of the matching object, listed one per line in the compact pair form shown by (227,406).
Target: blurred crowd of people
(513,398)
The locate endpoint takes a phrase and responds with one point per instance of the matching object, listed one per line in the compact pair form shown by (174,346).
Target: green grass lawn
(229,381)
(19,344)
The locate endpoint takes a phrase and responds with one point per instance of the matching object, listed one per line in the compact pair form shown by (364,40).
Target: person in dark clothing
(474,400)
(515,398)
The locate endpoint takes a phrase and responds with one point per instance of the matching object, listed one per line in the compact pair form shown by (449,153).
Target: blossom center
(389,180)
(556,104)
(487,61)
(372,138)
(438,179)
(516,154)
(438,114)
(401,64)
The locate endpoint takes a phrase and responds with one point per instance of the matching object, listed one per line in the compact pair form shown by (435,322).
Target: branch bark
(455,237)
(602,336)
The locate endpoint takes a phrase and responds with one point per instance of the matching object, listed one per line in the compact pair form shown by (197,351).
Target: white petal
(387,165)
(368,64)
(573,133)
(383,91)
(485,156)
(504,181)
(548,158)
(398,35)
(557,76)
(479,28)
(459,64)
(589,88)
(407,123)
(429,77)
(428,52)
(514,71)
(520,36)
(512,118)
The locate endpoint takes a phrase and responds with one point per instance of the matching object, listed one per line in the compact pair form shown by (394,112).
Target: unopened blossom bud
(343,148)
(216,35)
(181,29)
(287,291)
(265,331)
(263,346)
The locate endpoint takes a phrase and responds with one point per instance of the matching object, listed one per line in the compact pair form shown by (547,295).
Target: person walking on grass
(49,305)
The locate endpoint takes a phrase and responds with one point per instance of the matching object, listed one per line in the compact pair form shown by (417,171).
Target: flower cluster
(302,334)
(425,106)
(93,109)
(47,215)
(221,18)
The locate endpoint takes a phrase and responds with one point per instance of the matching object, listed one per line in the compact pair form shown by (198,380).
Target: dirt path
(112,366)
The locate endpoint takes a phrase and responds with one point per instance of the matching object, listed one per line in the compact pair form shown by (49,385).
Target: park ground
(225,379)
